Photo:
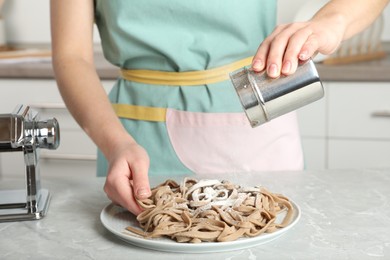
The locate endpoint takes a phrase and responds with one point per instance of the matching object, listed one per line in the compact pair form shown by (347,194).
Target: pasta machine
(22,131)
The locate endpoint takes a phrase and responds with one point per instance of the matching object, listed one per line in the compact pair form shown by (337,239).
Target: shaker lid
(250,98)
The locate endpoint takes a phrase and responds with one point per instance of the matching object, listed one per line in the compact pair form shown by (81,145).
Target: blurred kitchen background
(28,21)
(349,128)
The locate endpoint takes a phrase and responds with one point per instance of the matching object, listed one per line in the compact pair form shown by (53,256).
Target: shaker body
(264,98)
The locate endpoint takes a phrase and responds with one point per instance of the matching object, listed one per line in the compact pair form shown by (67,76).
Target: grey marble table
(345,215)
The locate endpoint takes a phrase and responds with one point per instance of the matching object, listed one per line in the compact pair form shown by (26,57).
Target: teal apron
(178,36)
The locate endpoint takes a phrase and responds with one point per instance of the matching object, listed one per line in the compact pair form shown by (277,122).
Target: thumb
(141,180)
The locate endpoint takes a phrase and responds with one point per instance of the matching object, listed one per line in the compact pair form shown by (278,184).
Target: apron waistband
(155,114)
(185,78)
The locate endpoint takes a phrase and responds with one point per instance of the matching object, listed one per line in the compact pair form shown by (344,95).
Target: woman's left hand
(291,43)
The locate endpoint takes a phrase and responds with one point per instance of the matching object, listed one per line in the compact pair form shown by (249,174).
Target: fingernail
(286,67)
(303,55)
(257,65)
(143,193)
(272,70)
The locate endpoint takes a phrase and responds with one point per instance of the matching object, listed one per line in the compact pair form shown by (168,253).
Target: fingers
(127,179)
(119,189)
(277,47)
(309,48)
(281,52)
(259,62)
(140,180)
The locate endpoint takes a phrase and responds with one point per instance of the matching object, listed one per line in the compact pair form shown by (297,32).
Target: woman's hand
(127,178)
(338,20)
(288,44)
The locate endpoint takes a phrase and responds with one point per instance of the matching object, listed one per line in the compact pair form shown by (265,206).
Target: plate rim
(204,247)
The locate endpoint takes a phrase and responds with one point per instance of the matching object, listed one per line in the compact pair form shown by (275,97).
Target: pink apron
(225,142)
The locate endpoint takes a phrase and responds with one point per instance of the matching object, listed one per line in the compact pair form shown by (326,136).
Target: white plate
(116,219)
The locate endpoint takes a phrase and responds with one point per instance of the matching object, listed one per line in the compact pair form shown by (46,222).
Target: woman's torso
(206,130)
(177,35)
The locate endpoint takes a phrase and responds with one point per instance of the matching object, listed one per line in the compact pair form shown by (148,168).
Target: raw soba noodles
(210,211)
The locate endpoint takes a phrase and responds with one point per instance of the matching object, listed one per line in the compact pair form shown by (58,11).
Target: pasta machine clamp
(23,131)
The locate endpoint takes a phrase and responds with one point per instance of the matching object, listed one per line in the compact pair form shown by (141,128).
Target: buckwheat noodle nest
(210,211)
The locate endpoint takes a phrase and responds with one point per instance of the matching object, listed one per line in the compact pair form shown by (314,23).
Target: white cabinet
(349,128)
(355,110)
(359,125)
(355,153)
(312,124)
(76,150)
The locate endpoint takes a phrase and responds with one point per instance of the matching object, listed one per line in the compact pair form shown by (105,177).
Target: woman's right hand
(127,177)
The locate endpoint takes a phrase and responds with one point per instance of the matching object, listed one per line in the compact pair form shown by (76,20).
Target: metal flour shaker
(264,98)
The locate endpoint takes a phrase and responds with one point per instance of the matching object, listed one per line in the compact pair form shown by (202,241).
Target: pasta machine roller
(23,131)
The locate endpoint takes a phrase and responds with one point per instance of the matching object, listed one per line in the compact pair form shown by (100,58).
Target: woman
(178,112)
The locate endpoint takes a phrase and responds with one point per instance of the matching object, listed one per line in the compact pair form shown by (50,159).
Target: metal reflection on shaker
(264,98)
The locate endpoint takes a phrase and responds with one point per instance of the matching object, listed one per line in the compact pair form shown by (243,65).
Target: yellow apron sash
(156,114)
(186,78)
